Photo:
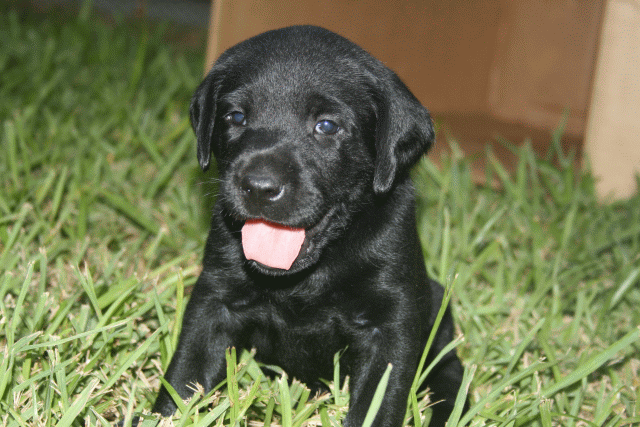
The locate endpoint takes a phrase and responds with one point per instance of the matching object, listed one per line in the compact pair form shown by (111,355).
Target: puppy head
(404,129)
(307,128)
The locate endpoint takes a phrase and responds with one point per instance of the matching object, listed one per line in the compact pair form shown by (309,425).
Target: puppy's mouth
(270,244)
(275,245)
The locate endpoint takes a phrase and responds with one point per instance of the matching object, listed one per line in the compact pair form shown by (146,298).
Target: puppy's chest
(301,339)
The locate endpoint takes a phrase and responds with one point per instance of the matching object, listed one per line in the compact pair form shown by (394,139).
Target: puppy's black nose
(261,188)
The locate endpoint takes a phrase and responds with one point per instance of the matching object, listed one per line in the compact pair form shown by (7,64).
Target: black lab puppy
(313,246)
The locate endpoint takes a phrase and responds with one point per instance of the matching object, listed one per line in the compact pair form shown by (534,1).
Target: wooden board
(613,131)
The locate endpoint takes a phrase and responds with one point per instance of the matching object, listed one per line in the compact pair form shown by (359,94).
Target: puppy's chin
(256,267)
(305,260)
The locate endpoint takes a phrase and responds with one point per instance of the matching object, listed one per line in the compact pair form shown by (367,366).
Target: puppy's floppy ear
(404,132)
(203,112)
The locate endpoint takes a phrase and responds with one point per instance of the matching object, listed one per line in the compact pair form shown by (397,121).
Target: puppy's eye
(326,127)
(236,118)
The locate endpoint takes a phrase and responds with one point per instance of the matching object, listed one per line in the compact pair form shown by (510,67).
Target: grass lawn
(102,226)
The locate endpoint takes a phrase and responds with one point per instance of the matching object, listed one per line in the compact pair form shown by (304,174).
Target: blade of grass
(445,350)
(461,397)
(175,396)
(624,287)
(378,396)
(268,414)
(25,209)
(216,414)
(169,166)
(526,341)
(78,405)
(324,418)
(232,384)
(130,211)
(42,375)
(415,410)
(12,151)
(446,248)
(338,398)
(499,387)
(594,363)
(131,359)
(436,324)
(285,401)
(58,193)
(180,307)
(249,399)
(17,313)
(167,347)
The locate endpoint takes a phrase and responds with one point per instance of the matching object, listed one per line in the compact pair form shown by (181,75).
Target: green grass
(102,227)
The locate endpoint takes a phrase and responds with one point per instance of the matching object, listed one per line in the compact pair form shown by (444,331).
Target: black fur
(359,282)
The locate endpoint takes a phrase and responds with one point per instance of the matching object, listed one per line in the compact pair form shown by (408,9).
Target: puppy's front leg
(200,356)
(371,360)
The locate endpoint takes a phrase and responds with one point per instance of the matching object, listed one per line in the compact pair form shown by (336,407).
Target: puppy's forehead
(296,57)
(304,70)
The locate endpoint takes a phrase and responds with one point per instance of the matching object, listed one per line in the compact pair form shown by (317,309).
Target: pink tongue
(271,244)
